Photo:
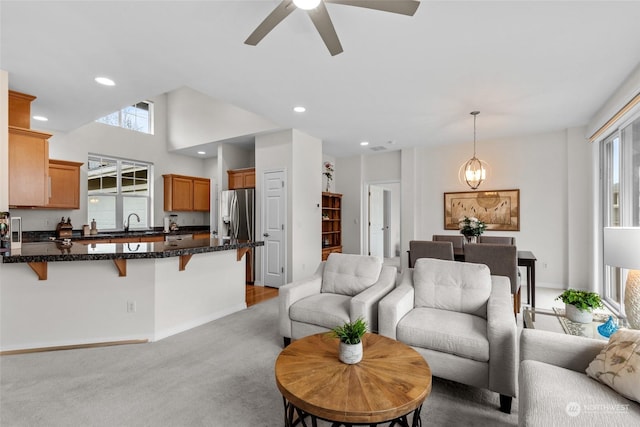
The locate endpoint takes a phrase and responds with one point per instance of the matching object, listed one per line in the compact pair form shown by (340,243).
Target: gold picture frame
(499,209)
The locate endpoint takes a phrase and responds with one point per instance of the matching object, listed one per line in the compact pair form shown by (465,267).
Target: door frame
(365,210)
(285,232)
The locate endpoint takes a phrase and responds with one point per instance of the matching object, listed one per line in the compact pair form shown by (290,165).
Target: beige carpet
(220,374)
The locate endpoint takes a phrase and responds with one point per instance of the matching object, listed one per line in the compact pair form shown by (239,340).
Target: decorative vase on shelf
(350,353)
(471,239)
(574,314)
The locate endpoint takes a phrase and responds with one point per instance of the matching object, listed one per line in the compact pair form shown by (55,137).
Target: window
(620,195)
(138,117)
(116,189)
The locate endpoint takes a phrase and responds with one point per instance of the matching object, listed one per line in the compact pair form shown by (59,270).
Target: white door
(376,221)
(274,233)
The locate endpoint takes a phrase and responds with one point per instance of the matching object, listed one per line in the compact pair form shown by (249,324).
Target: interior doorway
(383,220)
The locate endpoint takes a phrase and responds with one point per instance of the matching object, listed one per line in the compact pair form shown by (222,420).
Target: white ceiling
(528,66)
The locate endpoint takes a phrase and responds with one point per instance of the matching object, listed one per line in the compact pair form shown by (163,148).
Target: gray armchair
(427,249)
(344,288)
(459,318)
(502,260)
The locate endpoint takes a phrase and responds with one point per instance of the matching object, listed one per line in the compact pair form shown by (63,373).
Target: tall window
(118,188)
(138,117)
(620,165)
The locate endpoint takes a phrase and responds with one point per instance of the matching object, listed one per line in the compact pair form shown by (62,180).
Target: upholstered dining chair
(428,249)
(344,288)
(498,240)
(502,260)
(456,240)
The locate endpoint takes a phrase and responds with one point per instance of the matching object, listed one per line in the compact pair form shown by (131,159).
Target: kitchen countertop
(44,236)
(56,251)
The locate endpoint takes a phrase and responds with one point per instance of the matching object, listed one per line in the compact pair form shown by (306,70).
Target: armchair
(459,318)
(343,288)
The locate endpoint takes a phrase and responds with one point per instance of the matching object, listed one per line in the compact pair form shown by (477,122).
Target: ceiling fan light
(306,4)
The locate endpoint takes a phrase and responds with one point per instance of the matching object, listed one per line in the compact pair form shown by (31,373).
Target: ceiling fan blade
(322,21)
(403,7)
(275,17)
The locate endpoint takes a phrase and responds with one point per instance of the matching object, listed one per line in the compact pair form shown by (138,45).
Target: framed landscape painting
(500,209)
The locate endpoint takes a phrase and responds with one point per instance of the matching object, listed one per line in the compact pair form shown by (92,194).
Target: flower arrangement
(328,172)
(471,226)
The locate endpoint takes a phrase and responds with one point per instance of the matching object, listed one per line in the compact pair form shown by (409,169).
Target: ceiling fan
(317,11)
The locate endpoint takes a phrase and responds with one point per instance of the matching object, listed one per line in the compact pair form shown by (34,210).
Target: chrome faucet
(126,224)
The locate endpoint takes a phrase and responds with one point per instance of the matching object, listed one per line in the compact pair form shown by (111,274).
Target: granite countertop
(57,251)
(44,236)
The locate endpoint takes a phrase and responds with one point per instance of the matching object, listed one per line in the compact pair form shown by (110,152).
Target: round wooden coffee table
(390,382)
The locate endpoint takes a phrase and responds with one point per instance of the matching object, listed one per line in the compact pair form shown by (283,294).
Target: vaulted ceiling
(528,66)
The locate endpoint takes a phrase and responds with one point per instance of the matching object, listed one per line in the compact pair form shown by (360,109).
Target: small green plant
(583,300)
(350,333)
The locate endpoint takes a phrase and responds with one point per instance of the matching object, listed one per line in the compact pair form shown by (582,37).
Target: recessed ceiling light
(299,109)
(363,143)
(105,81)
(40,118)
(202,152)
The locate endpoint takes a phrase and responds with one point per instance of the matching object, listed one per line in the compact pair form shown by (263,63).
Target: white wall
(4,141)
(349,179)
(296,153)
(198,119)
(113,141)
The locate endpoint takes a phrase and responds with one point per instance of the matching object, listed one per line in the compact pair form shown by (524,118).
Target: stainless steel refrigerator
(237,210)
(238,213)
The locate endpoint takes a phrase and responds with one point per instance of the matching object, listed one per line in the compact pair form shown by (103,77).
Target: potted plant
(579,305)
(471,228)
(350,335)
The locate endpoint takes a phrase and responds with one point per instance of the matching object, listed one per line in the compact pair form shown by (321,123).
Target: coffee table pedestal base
(294,416)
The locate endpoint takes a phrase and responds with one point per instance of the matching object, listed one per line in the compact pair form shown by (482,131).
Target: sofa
(460,319)
(555,390)
(344,288)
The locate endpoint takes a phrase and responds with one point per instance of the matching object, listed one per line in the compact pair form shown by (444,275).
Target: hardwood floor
(257,294)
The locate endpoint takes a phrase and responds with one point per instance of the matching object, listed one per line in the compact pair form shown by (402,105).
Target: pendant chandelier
(474,170)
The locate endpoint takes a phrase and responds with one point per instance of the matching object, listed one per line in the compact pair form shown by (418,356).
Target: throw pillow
(618,364)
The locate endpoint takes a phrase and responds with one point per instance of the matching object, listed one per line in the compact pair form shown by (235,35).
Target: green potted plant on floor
(350,335)
(579,305)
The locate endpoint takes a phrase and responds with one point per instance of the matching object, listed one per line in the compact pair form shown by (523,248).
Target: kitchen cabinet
(202,235)
(64,184)
(201,194)
(20,109)
(28,167)
(242,178)
(331,224)
(186,193)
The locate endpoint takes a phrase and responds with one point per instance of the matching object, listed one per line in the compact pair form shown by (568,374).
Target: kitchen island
(77,297)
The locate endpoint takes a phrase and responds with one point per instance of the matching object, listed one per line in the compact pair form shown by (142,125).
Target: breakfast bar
(77,297)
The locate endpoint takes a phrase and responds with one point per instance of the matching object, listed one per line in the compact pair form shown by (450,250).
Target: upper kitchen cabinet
(186,193)
(20,109)
(242,178)
(64,184)
(28,167)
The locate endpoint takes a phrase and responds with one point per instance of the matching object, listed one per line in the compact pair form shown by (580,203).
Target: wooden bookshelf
(331,223)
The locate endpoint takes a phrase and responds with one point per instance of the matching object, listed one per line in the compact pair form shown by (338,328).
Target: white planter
(576,315)
(350,353)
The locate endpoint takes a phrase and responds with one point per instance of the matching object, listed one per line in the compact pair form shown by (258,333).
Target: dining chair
(499,240)
(456,240)
(428,249)
(502,260)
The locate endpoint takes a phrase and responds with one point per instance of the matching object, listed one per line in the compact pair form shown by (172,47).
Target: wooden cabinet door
(64,184)
(201,195)
(250,179)
(182,194)
(28,167)
(236,180)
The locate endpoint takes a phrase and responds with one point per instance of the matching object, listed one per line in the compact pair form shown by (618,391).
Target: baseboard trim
(72,347)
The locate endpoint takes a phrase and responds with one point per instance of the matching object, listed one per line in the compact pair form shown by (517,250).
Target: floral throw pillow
(618,364)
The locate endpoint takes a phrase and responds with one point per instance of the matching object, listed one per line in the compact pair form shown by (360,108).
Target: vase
(471,239)
(574,314)
(350,353)
(632,299)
